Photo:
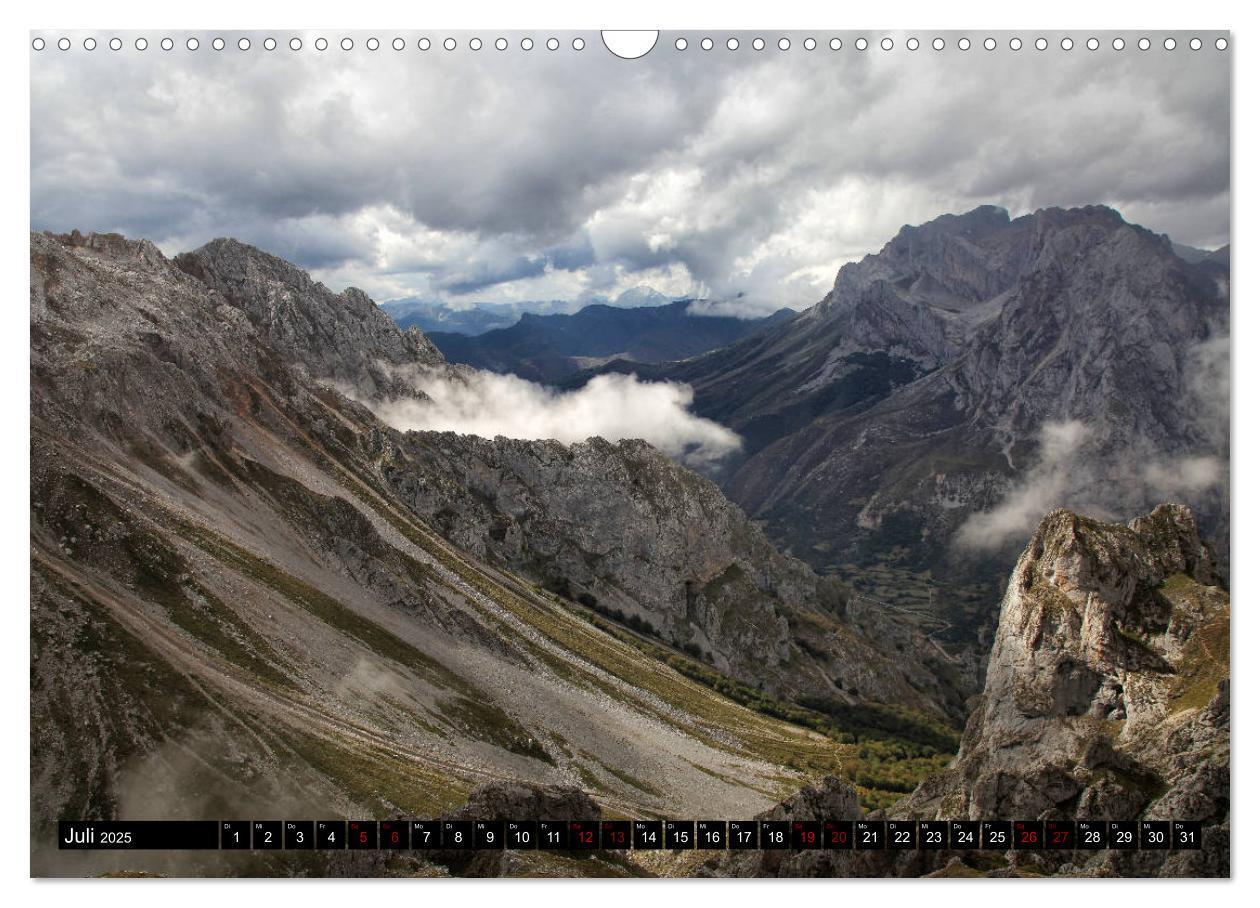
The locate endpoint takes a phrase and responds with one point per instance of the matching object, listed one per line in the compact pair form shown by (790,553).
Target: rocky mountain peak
(1087,605)
(949,253)
(929,289)
(113,244)
(1103,317)
(973,225)
(1107,689)
(236,268)
(343,336)
(1149,549)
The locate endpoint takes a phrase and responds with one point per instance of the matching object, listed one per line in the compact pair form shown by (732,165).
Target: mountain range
(433,316)
(908,430)
(247,588)
(552,348)
(436,316)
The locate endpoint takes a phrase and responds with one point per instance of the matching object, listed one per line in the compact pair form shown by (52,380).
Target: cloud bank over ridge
(613,407)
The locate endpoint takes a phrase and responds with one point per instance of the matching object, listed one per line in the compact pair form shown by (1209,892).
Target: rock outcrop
(343,337)
(830,799)
(1107,693)
(512,800)
(1106,698)
(627,532)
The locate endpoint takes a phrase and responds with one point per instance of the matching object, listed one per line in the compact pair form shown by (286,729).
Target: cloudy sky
(538,175)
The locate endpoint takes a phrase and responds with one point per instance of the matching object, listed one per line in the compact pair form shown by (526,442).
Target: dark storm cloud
(546,175)
(488,275)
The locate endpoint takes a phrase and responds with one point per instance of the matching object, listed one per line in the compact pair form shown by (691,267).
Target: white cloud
(613,407)
(1184,475)
(1043,488)
(1108,475)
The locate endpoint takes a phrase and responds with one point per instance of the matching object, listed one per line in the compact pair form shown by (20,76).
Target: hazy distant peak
(639,296)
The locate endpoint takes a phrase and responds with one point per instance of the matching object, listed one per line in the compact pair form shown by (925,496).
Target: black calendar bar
(182,835)
(401,834)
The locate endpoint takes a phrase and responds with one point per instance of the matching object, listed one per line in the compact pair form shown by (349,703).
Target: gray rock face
(1107,697)
(344,337)
(915,395)
(1107,693)
(517,800)
(626,531)
(922,295)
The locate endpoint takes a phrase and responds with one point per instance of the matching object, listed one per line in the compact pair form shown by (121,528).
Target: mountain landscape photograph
(779,432)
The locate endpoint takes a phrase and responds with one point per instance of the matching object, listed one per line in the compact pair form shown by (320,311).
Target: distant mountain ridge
(434,315)
(550,348)
(1194,255)
(919,395)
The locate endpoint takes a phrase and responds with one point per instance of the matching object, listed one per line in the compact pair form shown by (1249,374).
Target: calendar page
(708,453)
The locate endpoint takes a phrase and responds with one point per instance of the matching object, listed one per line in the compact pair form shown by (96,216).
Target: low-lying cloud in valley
(1076,471)
(1116,473)
(613,407)
(1044,487)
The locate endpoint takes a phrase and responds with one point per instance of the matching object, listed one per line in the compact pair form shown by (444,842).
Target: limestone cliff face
(1107,698)
(341,336)
(1107,694)
(626,531)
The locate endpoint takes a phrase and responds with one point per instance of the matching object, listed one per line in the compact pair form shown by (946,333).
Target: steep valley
(248,591)
(907,431)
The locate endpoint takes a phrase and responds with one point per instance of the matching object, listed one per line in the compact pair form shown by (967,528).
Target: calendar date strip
(622,835)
